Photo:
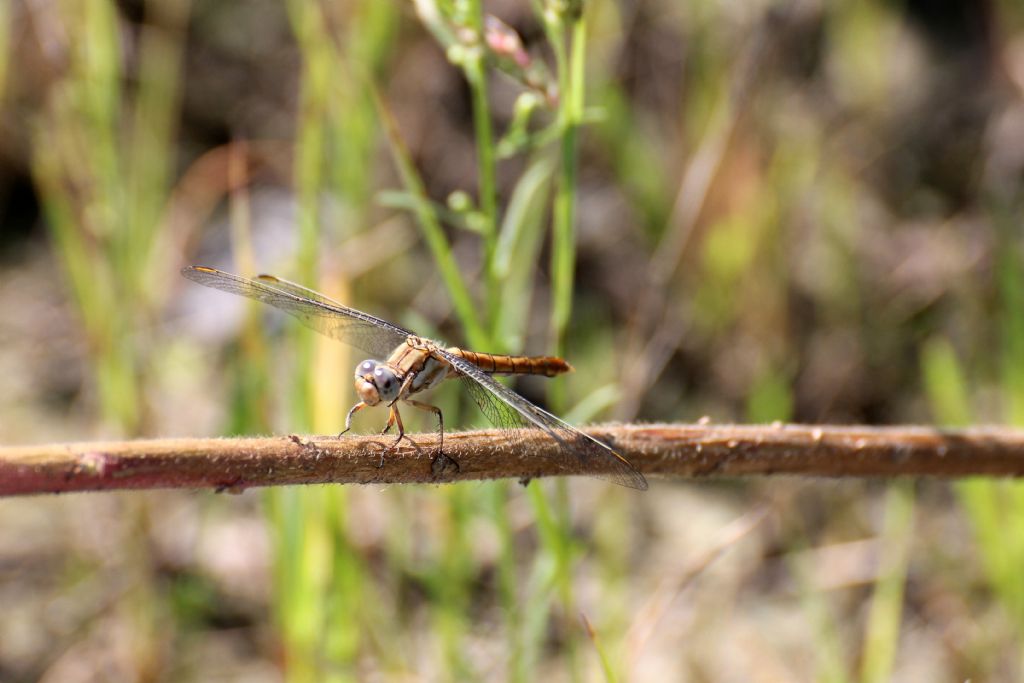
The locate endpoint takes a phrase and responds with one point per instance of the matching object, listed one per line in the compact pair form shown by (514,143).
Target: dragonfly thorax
(376,382)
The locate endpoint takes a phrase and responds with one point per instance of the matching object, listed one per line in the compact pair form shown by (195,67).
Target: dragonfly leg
(440,420)
(391,422)
(401,427)
(393,417)
(348,418)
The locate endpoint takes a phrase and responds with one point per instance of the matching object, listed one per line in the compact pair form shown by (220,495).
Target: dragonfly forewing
(371,334)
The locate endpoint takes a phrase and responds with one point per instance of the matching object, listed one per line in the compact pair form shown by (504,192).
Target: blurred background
(803,211)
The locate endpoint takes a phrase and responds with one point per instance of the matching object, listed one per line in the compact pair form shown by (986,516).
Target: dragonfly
(403,364)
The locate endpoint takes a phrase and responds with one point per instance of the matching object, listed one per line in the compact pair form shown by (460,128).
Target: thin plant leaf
(405,201)
(517,251)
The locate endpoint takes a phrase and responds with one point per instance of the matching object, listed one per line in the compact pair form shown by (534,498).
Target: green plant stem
(430,226)
(476,74)
(303,543)
(563,247)
(563,265)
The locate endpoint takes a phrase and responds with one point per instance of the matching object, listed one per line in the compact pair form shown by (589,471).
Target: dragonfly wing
(362,330)
(512,414)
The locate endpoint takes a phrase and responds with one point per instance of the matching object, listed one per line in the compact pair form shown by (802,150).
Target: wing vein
(511,413)
(316,311)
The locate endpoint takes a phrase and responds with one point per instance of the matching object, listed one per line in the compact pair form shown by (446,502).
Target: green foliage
(784,277)
(102,162)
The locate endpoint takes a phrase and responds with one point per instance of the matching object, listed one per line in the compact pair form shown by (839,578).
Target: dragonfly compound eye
(366,368)
(386,382)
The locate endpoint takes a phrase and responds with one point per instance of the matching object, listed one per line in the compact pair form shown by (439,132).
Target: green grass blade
(517,252)
(883,628)
(981,498)
(607,670)
(829,652)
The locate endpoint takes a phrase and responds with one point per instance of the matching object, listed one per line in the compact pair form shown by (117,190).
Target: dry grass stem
(663,450)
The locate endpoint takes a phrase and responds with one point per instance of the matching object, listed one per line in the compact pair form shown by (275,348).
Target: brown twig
(662,450)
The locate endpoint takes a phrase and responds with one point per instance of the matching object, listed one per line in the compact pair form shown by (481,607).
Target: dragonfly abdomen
(495,364)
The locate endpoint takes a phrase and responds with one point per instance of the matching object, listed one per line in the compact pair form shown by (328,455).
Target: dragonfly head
(376,383)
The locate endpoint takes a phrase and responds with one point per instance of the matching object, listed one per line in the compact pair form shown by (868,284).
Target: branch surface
(662,450)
